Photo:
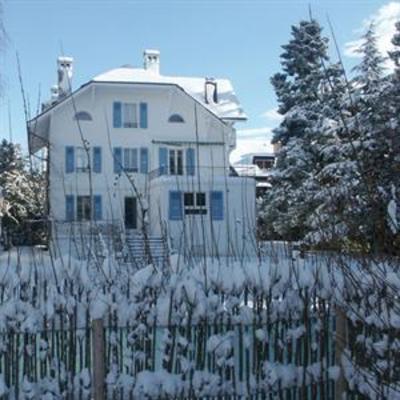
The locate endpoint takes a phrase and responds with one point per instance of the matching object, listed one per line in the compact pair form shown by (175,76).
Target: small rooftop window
(83,116)
(176,118)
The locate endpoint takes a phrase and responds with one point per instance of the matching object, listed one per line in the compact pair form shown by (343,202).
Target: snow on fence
(228,328)
(191,361)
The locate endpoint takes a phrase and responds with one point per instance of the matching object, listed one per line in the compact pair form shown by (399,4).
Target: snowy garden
(276,326)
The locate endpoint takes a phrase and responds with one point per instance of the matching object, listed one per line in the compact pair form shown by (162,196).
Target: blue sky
(237,39)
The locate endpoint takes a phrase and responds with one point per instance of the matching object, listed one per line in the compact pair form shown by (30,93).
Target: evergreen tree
(23,192)
(370,146)
(10,158)
(392,101)
(358,180)
(343,189)
(300,91)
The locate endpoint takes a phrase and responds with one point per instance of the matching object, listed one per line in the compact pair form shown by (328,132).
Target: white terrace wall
(234,234)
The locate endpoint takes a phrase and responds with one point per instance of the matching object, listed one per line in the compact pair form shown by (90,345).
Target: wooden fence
(207,360)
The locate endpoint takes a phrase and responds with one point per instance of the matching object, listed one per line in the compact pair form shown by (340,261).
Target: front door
(130,213)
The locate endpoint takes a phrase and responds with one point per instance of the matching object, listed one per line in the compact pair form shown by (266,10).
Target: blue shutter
(69,159)
(217,206)
(175,205)
(163,160)
(97,160)
(144,160)
(190,163)
(97,208)
(117,160)
(143,115)
(117,114)
(69,207)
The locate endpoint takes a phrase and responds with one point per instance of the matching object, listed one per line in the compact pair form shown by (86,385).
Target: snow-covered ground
(206,327)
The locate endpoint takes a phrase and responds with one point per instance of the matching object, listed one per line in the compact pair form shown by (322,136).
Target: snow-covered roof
(223,103)
(259,154)
(250,170)
(248,158)
(227,107)
(263,184)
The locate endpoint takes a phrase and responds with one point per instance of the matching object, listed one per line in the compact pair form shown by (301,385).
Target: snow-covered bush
(216,327)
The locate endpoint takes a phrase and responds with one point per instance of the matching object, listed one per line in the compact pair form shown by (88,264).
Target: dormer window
(83,116)
(176,118)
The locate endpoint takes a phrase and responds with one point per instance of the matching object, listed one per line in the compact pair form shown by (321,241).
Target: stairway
(140,254)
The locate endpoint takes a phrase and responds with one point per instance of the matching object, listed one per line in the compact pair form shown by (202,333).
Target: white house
(144,151)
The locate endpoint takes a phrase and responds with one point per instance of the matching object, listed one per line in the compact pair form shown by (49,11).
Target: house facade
(146,152)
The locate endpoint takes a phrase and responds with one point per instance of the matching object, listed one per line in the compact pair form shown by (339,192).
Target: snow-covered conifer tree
(23,192)
(393,140)
(300,90)
(360,178)
(370,146)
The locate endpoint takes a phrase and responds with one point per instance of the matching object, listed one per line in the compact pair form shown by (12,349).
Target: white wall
(234,235)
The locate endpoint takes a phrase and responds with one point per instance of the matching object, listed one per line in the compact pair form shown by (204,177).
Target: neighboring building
(258,166)
(143,151)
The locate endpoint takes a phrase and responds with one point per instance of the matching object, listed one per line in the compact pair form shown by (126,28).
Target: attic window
(83,116)
(176,118)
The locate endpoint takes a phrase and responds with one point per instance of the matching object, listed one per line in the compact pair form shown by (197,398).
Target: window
(171,161)
(201,199)
(189,199)
(82,162)
(131,160)
(83,208)
(78,159)
(129,115)
(263,162)
(176,118)
(175,162)
(195,203)
(83,116)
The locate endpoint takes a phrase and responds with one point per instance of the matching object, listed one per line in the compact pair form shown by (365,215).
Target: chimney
(54,94)
(64,70)
(53,98)
(151,60)
(210,91)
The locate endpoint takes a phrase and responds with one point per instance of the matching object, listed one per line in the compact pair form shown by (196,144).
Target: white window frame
(131,159)
(133,123)
(82,160)
(174,168)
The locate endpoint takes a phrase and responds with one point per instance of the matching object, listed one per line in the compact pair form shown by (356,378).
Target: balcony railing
(195,172)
